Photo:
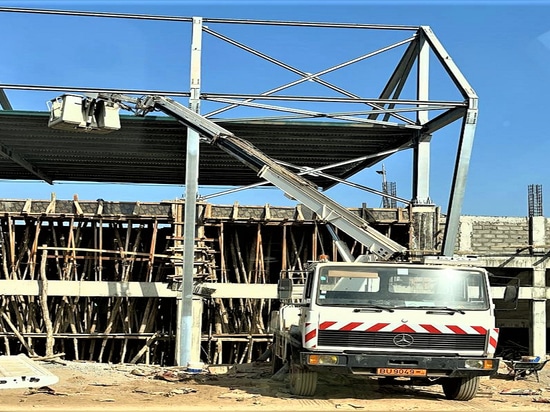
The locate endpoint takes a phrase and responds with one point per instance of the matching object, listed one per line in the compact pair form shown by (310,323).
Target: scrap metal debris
(169,376)
(141,372)
(20,371)
(520,392)
(149,392)
(45,390)
(182,391)
(238,394)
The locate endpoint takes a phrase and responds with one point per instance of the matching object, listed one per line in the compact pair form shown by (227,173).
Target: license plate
(401,372)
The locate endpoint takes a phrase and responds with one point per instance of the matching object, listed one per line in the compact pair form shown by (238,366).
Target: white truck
(411,323)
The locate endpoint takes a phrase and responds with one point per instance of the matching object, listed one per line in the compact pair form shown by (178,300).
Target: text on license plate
(401,372)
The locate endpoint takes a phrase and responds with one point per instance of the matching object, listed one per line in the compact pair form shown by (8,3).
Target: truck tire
(302,382)
(460,389)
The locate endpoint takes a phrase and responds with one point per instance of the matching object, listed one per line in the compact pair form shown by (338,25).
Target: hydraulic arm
(292,184)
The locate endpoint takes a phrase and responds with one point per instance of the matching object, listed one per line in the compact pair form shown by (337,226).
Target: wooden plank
(50,341)
(100,250)
(133,289)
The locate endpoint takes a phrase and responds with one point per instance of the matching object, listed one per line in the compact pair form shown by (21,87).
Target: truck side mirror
(511,293)
(284,289)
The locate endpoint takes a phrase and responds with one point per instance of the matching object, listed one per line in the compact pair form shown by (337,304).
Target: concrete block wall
(485,235)
(517,247)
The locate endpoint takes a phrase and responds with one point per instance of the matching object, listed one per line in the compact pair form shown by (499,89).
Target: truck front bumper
(377,364)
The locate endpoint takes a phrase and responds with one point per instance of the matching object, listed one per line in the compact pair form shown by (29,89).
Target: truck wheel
(460,389)
(302,382)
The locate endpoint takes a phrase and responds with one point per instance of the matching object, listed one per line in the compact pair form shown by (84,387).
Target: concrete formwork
(99,280)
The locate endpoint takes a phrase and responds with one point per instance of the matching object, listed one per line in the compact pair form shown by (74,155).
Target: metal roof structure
(152,150)
(336,134)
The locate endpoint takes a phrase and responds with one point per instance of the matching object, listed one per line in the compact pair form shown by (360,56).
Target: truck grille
(445,342)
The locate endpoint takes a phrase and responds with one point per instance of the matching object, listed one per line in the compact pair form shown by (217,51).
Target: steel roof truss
(4,101)
(398,78)
(309,114)
(444,119)
(11,154)
(303,171)
(318,172)
(306,76)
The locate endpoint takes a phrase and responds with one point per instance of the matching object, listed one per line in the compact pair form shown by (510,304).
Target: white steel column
(465,143)
(189,352)
(421,172)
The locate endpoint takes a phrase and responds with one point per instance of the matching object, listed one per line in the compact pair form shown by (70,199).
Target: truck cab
(425,323)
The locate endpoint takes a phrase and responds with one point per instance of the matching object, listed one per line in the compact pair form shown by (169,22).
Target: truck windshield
(408,287)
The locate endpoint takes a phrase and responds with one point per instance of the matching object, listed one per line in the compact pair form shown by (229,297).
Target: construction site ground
(87,386)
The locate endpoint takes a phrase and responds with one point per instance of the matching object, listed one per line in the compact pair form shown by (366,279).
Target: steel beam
(4,101)
(187,352)
(421,158)
(465,144)
(11,154)
(458,187)
(332,212)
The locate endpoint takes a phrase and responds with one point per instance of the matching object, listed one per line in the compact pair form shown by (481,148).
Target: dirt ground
(85,386)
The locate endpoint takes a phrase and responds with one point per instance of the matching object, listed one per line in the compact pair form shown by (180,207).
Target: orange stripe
(326,325)
(377,327)
(430,328)
(311,334)
(457,330)
(404,328)
(351,325)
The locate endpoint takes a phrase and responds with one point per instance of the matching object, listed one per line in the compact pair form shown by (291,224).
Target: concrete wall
(481,235)
(516,247)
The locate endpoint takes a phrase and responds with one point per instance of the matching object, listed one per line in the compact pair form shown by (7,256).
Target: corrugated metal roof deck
(152,149)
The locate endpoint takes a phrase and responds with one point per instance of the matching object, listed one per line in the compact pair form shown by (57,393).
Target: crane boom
(292,184)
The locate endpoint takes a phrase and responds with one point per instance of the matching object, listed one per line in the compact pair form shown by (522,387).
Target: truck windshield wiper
(373,307)
(445,309)
(434,309)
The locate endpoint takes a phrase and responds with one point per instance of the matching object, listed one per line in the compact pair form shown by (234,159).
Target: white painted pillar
(196,332)
(537,346)
(538,313)
(466,228)
(424,227)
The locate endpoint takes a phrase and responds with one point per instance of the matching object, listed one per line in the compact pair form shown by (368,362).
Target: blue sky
(501,47)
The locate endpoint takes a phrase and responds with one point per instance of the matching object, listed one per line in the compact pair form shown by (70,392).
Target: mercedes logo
(403,340)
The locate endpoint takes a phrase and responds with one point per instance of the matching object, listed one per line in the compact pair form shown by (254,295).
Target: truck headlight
(322,359)
(479,364)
